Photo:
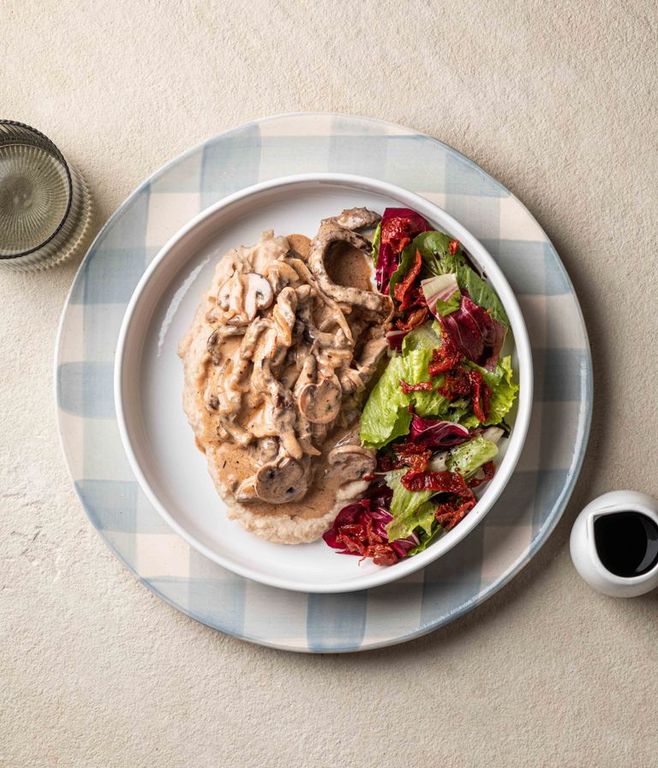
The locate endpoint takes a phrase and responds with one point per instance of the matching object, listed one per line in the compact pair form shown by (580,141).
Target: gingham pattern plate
(512,532)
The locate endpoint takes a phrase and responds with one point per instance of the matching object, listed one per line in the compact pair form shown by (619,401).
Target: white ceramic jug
(584,551)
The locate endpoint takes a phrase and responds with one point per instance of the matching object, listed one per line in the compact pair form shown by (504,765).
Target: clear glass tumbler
(45,207)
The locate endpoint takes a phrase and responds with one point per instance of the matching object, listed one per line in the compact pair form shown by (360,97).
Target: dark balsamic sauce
(626,543)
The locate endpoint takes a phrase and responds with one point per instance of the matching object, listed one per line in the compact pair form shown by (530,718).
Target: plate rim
(525,373)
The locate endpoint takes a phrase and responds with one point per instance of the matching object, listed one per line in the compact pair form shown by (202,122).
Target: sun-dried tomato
(440,482)
(422,386)
(397,232)
(449,513)
(444,358)
(386,462)
(413,455)
(413,300)
(403,291)
(460,497)
(481,392)
(413,319)
(456,383)
(487,471)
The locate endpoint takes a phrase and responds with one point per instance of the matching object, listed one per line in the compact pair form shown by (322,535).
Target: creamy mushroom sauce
(277,364)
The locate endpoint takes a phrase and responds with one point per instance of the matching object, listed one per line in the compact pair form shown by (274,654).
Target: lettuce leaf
(503,389)
(432,404)
(503,394)
(416,365)
(402,527)
(376,240)
(410,509)
(385,415)
(468,457)
(423,337)
(434,247)
(407,258)
(417,347)
(436,533)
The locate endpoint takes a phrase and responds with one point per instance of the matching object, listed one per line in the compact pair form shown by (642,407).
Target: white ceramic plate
(149,379)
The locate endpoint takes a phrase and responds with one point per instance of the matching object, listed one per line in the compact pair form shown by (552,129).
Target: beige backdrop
(558,101)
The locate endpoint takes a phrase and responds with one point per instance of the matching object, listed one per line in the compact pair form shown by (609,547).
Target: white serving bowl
(149,379)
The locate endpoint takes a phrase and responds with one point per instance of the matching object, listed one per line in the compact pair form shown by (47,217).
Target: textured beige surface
(558,101)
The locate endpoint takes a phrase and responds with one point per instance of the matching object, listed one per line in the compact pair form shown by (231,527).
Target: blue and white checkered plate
(514,529)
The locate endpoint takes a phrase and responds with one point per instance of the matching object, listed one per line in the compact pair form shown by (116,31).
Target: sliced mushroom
(357,218)
(268,449)
(281,482)
(284,314)
(230,296)
(299,244)
(218,335)
(246,491)
(252,336)
(350,380)
(224,295)
(306,275)
(372,353)
(258,294)
(213,346)
(307,374)
(213,403)
(331,232)
(281,274)
(237,433)
(320,403)
(352,490)
(352,461)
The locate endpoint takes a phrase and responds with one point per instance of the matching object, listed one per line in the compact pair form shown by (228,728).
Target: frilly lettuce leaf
(425,542)
(417,358)
(504,393)
(468,457)
(410,509)
(503,390)
(423,337)
(376,240)
(385,415)
(407,258)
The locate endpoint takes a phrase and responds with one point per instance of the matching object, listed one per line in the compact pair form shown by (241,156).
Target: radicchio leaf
(442,294)
(475,333)
(399,226)
(434,433)
(360,529)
